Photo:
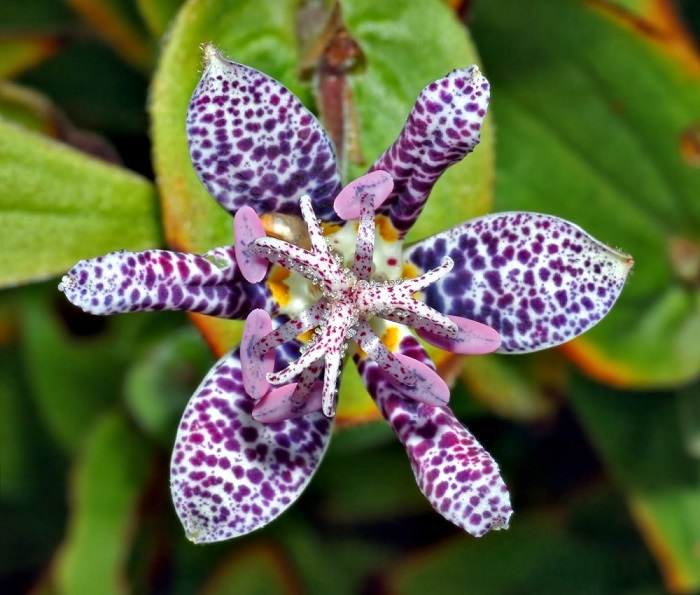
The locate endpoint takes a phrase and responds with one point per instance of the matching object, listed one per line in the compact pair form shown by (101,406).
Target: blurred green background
(595,117)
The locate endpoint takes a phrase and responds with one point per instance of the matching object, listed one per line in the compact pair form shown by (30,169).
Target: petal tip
(213,56)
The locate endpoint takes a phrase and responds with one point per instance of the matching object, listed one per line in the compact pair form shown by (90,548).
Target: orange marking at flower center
(409,271)
(386,230)
(390,338)
(306,336)
(278,286)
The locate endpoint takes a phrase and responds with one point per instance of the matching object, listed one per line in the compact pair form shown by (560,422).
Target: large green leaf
(594,107)
(109,479)
(533,556)
(73,380)
(641,440)
(159,383)
(263,36)
(58,206)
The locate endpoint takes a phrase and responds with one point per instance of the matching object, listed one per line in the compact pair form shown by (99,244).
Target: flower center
(349,298)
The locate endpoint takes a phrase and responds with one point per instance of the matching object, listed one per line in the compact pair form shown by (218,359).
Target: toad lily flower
(318,290)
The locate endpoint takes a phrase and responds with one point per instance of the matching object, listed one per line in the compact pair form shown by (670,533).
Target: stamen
(247,228)
(364,247)
(256,364)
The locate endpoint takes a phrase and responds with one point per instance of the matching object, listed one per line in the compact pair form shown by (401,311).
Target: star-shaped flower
(257,427)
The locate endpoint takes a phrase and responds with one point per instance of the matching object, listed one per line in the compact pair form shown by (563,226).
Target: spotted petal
(253,143)
(443,126)
(162,280)
(230,474)
(454,472)
(536,279)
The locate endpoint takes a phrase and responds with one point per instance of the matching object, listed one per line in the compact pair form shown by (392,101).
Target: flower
(251,437)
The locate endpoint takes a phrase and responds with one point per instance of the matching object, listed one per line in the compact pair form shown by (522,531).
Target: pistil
(350,297)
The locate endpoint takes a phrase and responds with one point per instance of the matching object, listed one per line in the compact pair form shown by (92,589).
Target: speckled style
(443,127)
(161,280)
(536,279)
(454,472)
(252,142)
(349,298)
(231,474)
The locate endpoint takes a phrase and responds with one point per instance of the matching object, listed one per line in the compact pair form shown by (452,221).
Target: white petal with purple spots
(537,279)
(252,142)
(454,472)
(162,280)
(443,127)
(230,474)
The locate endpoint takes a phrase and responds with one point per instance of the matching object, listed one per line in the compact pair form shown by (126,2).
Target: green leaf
(593,109)
(158,14)
(530,557)
(641,440)
(107,485)
(670,522)
(73,381)
(119,22)
(94,87)
(638,435)
(33,111)
(386,89)
(75,364)
(372,484)
(21,52)
(161,382)
(32,502)
(26,108)
(36,15)
(58,206)
(15,427)
(263,35)
(259,569)
(329,562)
(517,387)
